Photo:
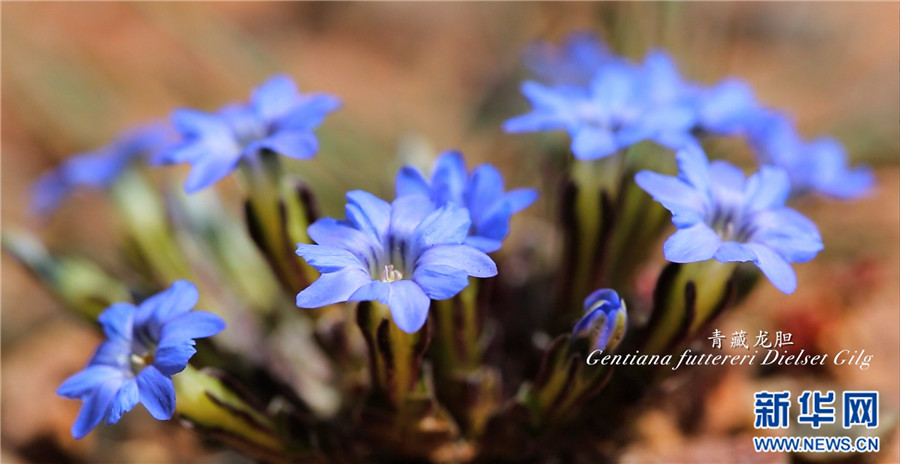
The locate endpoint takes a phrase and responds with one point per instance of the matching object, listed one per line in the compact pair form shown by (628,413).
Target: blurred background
(418,79)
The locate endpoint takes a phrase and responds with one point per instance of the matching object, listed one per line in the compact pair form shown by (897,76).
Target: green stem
(79,283)
(687,297)
(459,331)
(144,215)
(595,185)
(395,357)
(278,218)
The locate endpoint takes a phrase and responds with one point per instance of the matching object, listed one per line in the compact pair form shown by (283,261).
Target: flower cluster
(607,103)
(145,346)
(408,255)
(720,214)
(624,103)
(277,118)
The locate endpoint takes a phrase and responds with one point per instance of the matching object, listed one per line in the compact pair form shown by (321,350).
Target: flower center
(389,274)
(139,362)
(246,126)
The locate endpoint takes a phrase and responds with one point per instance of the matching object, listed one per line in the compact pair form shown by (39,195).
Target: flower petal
(592,143)
(327,259)
(769,188)
(693,167)
(309,112)
(449,179)
(494,221)
(534,122)
(195,324)
(369,214)
(210,169)
(448,225)
(193,122)
(520,199)
(669,191)
(734,252)
(87,380)
(407,213)
(692,244)
(789,233)
(173,357)
(779,272)
(375,290)
(726,176)
(113,353)
(485,187)
(126,399)
(725,107)
(440,282)
(409,305)
(332,233)
(334,287)
(487,245)
(157,393)
(410,181)
(178,299)
(48,193)
(464,257)
(117,321)
(602,296)
(274,97)
(293,144)
(95,407)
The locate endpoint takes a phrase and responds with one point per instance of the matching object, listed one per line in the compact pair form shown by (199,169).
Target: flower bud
(603,324)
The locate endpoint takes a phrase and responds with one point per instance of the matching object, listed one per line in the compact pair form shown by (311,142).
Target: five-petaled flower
(277,118)
(623,104)
(818,166)
(481,192)
(100,168)
(145,346)
(720,214)
(402,254)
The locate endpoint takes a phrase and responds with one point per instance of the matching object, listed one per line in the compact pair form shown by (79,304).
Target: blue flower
(720,214)
(622,105)
(603,324)
(818,166)
(100,168)
(277,118)
(145,346)
(402,254)
(572,63)
(729,108)
(481,192)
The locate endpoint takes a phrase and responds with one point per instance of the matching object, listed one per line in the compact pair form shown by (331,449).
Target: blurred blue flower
(604,321)
(277,118)
(100,168)
(818,166)
(481,192)
(720,214)
(728,108)
(572,63)
(145,346)
(402,254)
(623,104)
